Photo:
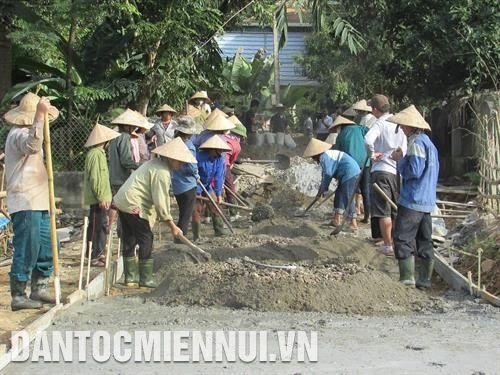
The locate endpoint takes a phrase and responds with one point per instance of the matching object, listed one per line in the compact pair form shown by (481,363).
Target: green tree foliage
(416,51)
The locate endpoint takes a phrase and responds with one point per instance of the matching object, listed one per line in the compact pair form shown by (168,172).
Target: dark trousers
(136,231)
(96,231)
(186,202)
(364,186)
(413,234)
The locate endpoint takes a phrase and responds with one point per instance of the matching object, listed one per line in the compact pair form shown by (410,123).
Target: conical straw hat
(410,116)
(200,95)
(316,147)
(132,118)
(177,150)
(100,134)
(165,108)
(24,113)
(350,112)
(235,120)
(362,105)
(340,120)
(215,142)
(218,122)
(214,113)
(240,130)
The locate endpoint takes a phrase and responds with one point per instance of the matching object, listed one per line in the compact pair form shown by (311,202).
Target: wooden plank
(459,282)
(457,204)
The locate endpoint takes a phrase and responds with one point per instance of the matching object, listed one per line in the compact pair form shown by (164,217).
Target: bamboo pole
(82,255)
(52,209)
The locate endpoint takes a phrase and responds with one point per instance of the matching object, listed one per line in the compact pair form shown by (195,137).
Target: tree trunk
(276,52)
(5,64)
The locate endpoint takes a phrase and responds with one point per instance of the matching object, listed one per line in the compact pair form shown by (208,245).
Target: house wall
(250,41)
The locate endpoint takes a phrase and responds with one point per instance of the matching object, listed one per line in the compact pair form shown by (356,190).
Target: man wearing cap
(97,190)
(28,202)
(163,129)
(381,140)
(211,168)
(249,117)
(419,169)
(339,165)
(143,197)
(351,140)
(185,179)
(279,122)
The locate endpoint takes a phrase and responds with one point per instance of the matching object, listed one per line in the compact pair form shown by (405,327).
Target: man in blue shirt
(339,165)
(419,170)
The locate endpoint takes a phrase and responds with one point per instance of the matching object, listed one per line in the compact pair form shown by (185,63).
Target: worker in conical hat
(339,165)
(211,168)
(164,128)
(201,101)
(97,190)
(143,198)
(27,189)
(419,169)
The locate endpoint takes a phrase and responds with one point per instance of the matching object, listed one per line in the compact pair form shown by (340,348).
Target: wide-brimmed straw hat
(187,125)
(177,150)
(165,108)
(340,120)
(362,105)
(410,116)
(24,113)
(316,147)
(200,95)
(100,134)
(218,122)
(215,142)
(132,118)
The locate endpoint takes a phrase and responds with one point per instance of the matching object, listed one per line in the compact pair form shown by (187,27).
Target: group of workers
(193,155)
(389,158)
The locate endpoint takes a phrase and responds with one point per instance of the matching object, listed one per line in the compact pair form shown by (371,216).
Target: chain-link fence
(67,140)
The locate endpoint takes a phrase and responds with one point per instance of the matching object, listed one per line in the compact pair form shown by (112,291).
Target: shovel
(282,161)
(327,197)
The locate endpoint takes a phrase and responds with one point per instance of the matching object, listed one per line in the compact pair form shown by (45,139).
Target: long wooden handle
(52,208)
(384,195)
(245,208)
(191,245)
(216,207)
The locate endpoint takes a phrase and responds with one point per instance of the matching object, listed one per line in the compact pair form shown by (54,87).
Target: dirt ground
(332,274)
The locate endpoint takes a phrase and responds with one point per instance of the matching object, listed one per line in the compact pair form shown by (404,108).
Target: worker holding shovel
(339,165)
(419,169)
(143,197)
(28,201)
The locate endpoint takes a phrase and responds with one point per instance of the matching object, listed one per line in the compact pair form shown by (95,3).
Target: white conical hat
(215,142)
(200,95)
(316,147)
(362,105)
(410,116)
(214,113)
(175,149)
(24,113)
(100,134)
(165,108)
(218,122)
(132,118)
(340,120)
(235,120)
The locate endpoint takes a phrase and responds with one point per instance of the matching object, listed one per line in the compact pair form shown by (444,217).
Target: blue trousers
(344,192)
(32,247)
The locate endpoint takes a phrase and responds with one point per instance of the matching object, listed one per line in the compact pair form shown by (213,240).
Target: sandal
(97,262)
